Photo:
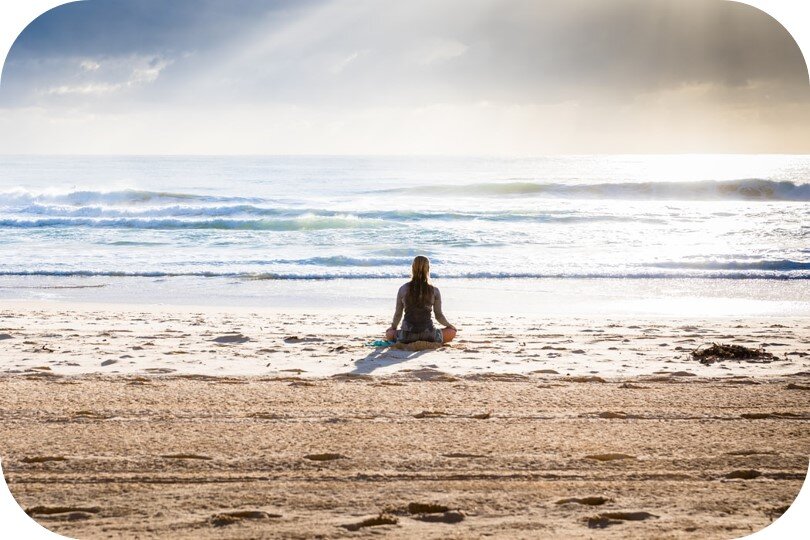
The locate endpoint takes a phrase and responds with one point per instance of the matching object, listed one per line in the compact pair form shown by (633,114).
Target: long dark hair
(420,289)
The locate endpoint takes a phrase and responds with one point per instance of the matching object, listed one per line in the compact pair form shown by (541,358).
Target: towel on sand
(414,346)
(380,343)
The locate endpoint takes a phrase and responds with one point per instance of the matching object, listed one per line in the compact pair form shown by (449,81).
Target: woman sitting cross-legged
(417,299)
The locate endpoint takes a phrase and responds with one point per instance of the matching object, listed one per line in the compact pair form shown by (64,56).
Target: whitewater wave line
(261,276)
(303,223)
(751,189)
(122,197)
(251,217)
(746,190)
(343,261)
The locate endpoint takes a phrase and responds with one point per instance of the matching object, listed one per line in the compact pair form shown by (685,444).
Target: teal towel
(380,343)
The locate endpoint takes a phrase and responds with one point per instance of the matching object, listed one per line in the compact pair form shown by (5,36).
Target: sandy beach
(128,420)
(212,212)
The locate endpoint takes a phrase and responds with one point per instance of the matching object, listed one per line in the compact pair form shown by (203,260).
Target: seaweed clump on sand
(717,352)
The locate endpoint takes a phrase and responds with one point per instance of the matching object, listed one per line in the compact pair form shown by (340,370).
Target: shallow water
(462,297)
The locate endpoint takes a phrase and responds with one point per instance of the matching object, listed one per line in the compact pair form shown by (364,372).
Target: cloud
(89,65)
(439,50)
(110,75)
(381,76)
(148,73)
(341,64)
(82,89)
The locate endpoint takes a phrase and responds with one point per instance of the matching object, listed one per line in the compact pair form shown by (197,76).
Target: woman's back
(418,308)
(417,299)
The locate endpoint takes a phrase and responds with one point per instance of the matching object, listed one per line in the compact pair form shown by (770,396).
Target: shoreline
(591,298)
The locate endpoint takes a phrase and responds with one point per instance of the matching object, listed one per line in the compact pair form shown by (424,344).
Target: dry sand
(632,441)
(79,339)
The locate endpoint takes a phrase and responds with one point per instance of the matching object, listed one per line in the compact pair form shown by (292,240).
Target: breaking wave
(122,197)
(333,276)
(746,190)
(344,267)
(303,223)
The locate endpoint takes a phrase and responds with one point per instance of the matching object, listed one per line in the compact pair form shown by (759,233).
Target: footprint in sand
(609,457)
(160,370)
(42,459)
(751,452)
(302,383)
(296,339)
(429,374)
(611,518)
(69,513)
(776,512)
(435,513)
(585,379)
(588,501)
(451,517)
(231,338)
(430,414)
(229,518)
(382,519)
(743,474)
(426,508)
(185,456)
(324,457)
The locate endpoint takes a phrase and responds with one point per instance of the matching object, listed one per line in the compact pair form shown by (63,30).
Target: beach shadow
(382,357)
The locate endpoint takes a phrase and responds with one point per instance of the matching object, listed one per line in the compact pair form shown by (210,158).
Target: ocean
(185,222)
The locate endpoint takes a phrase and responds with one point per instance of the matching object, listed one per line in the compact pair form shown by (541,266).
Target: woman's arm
(437,308)
(399,308)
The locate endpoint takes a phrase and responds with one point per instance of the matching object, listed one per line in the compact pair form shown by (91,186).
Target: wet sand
(423,445)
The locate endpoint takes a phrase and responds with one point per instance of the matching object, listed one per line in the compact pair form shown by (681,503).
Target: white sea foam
(748,190)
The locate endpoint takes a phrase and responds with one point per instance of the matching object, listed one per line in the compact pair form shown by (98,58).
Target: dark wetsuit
(418,323)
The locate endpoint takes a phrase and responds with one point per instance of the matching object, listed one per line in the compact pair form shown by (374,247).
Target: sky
(422,77)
